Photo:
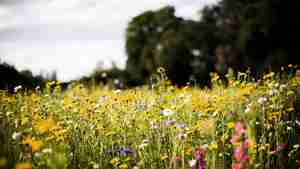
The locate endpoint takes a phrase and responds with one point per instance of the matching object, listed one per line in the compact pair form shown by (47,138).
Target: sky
(72,36)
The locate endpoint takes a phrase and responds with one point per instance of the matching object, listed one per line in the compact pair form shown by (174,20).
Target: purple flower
(181,126)
(125,152)
(169,123)
(153,125)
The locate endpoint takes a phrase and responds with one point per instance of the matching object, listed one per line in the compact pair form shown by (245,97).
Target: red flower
(246,158)
(237,166)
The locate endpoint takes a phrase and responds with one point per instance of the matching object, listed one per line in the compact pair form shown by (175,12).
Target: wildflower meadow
(248,124)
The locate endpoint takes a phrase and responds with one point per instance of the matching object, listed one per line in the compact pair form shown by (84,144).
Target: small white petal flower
(196,52)
(181,136)
(16,135)
(104,75)
(167,112)
(17,88)
(205,146)
(192,163)
(37,154)
(262,100)
(146,141)
(153,125)
(143,145)
(117,91)
(159,47)
(9,113)
(96,166)
(248,109)
(47,151)
(283,86)
(297,122)
(116,81)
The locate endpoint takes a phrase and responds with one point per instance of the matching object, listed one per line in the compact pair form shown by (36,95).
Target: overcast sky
(72,36)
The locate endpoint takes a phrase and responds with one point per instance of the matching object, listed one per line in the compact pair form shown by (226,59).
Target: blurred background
(123,43)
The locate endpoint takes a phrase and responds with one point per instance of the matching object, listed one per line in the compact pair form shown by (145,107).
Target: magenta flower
(200,157)
(239,153)
(239,128)
(246,158)
(241,145)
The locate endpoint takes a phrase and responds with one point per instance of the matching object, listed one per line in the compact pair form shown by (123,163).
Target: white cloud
(72,35)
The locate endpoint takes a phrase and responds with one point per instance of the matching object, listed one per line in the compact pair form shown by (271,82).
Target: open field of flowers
(245,125)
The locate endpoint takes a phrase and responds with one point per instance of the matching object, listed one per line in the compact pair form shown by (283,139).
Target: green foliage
(231,34)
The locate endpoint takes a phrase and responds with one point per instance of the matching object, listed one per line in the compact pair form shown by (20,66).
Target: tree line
(260,35)
(255,35)
(11,78)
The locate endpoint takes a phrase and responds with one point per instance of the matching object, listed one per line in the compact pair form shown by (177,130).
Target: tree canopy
(237,34)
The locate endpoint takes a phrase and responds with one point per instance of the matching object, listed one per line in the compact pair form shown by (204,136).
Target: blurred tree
(160,39)
(142,39)
(261,33)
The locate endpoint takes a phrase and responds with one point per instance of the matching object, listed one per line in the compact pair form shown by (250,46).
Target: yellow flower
(189,151)
(24,165)
(213,146)
(123,166)
(115,161)
(35,145)
(230,125)
(164,157)
(44,126)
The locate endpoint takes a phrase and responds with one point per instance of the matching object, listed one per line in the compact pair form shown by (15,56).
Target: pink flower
(193,163)
(239,128)
(239,153)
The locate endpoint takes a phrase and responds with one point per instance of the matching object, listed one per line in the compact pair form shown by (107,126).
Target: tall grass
(246,125)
